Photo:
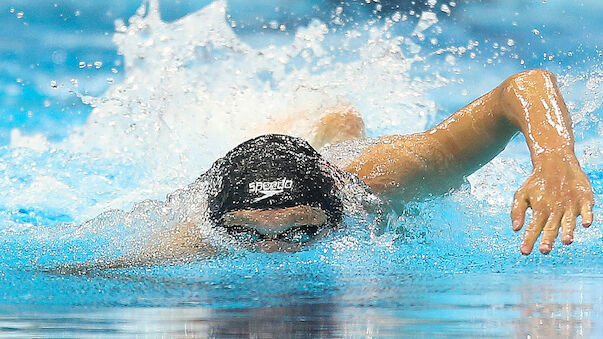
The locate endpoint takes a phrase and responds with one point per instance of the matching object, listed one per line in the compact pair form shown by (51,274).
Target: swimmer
(277,193)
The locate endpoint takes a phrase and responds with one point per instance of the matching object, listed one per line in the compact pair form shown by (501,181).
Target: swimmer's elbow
(532,76)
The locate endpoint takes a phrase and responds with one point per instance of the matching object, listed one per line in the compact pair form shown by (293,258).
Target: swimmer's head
(275,188)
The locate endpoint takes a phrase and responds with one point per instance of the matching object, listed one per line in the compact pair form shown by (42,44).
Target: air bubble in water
(450,59)
(20,15)
(98,64)
(510,42)
(82,64)
(444,8)
(53,84)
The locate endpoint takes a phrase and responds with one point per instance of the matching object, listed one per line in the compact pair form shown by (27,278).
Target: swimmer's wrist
(558,156)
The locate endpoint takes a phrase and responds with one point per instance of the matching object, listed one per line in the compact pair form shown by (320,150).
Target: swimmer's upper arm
(407,166)
(437,160)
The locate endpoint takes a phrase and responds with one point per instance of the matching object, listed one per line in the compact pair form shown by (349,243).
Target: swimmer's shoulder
(344,153)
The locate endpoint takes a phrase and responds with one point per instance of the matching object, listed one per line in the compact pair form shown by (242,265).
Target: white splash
(193,89)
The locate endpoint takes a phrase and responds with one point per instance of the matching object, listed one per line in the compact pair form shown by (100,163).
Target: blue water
(450,267)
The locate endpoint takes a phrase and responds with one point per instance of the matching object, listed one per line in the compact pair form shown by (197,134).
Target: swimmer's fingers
(518,211)
(568,223)
(533,231)
(550,232)
(586,210)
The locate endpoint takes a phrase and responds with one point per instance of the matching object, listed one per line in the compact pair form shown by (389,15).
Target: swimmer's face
(284,229)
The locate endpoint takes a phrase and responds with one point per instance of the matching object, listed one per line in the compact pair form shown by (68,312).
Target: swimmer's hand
(557,191)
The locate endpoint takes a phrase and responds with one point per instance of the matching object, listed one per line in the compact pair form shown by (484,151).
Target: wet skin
(408,167)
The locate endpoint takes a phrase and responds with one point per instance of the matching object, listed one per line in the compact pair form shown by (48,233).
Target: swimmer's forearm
(531,102)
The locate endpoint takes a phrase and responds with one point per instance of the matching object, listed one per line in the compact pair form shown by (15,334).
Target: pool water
(109,108)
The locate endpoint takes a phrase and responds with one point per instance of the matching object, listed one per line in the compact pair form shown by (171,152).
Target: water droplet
(282,27)
(46,103)
(444,8)
(12,10)
(77,12)
(98,64)
(53,84)
(114,70)
(110,80)
(452,4)
(432,3)
(82,64)
(510,42)
(338,10)
(20,15)
(75,82)
(535,31)
(396,17)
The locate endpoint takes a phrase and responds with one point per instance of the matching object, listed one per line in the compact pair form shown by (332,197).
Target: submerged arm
(438,159)
(182,243)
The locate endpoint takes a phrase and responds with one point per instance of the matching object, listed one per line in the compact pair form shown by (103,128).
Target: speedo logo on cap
(269,188)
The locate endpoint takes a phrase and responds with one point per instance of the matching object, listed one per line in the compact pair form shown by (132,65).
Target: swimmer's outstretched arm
(557,191)
(179,244)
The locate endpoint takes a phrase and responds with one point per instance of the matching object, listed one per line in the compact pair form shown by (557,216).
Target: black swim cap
(274,171)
